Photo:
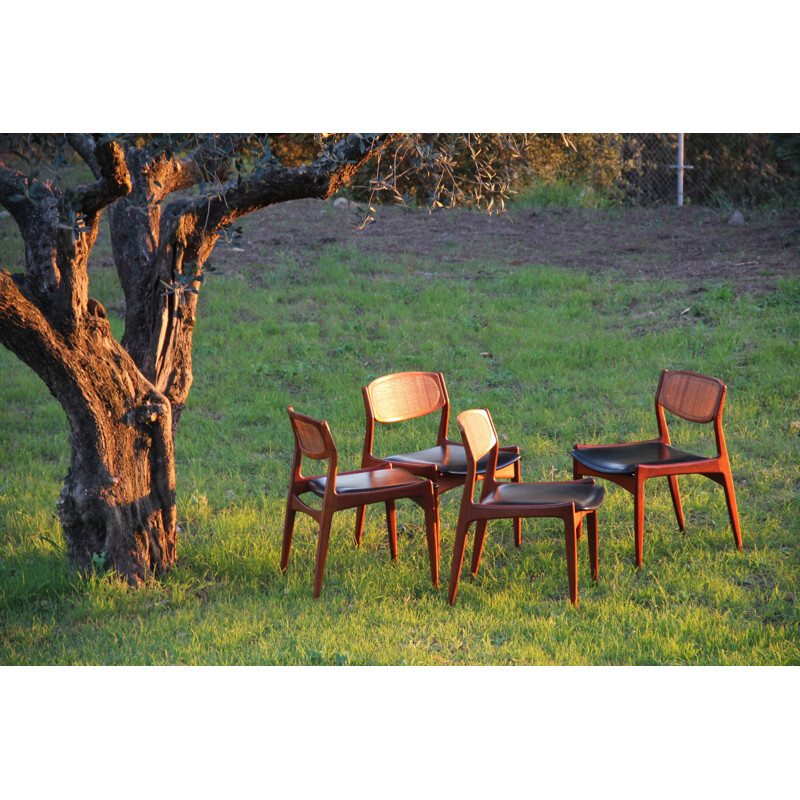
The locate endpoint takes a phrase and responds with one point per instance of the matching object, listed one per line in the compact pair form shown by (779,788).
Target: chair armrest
(422,469)
(371,468)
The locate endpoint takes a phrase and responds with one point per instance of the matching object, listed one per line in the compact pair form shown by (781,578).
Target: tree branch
(114,180)
(84,146)
(35,209)
(25,331)
(275,183)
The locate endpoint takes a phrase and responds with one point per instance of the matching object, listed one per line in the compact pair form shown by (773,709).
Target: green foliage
(310,333)
(39,156)
(727,169)
(588,160)
(787,148)
(744,168)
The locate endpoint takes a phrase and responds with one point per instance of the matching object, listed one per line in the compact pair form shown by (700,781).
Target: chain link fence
(649,167)
(721,169)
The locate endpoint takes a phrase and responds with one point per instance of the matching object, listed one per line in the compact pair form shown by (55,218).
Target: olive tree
(169,200)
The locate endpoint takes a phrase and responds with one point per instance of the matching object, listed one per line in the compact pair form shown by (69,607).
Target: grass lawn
(558,357)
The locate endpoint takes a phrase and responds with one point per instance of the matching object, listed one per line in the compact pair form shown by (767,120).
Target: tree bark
(118,498)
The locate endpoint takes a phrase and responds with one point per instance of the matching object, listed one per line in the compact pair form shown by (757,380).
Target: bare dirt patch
(695,245)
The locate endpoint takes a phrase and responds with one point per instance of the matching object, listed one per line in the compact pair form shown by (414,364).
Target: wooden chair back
(312,436)
(479,436)
(690,395)
(406,395)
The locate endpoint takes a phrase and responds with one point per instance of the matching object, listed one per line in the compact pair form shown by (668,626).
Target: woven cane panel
(405,396)
(311,442)
(478,432)
(693,397)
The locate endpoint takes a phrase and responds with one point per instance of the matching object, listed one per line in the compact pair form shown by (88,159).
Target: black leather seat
(366,481)
(586,497)
(624,459)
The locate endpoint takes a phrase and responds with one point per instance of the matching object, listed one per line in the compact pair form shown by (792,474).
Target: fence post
(680,167)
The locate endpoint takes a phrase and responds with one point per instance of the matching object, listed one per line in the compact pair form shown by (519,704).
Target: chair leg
(458,558)
(733,511)
(477,545)
(571,545)
(391,524)
(322,551)
(580,529)
(638,523)
(676,500)
(288,529)
(517,521)
(592,525)
(438,525)
(360,512)
(432,534)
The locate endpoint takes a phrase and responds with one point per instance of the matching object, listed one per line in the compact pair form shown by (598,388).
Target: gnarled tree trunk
(118,498)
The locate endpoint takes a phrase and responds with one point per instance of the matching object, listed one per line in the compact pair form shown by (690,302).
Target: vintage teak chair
(691,396)
(567,500)
(340,490)
(407,395)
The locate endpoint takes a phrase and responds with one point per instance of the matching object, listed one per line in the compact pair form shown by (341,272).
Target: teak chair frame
(417,394)
(470,423)
(676,392)
(313,440)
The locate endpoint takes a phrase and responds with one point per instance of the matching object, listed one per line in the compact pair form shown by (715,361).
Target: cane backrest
(405,395)
(478,433)
(312,436)
(689,395)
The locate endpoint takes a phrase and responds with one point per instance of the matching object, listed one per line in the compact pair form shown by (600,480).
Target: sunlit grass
(558,357)
(559,193)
